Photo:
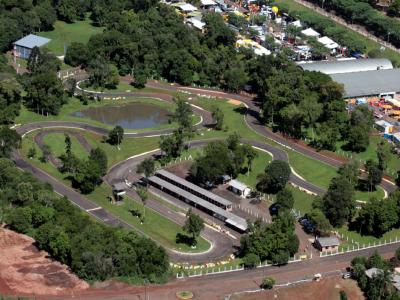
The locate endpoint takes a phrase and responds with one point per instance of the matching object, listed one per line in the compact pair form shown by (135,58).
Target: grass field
(371,45)
(156,226)
(56,141)
(64,34)
(393,163)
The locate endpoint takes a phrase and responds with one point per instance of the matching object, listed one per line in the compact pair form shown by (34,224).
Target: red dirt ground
(24,270)
(326,289)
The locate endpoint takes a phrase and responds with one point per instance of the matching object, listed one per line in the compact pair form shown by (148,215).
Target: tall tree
(194,224)
(276,176)
(116,135)
(218,117)
(9,140)
(146,167)
(182,115)
(338,202)
(375,174)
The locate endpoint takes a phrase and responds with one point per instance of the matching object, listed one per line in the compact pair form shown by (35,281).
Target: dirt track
(24,270)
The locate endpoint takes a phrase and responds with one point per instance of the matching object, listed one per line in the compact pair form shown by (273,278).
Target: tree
(350,171)
(31,152)
(46,152)
(383,153)
(172,145)
(10,100)
(146,167)
(276,176)
(194,224)
(338,202)
(98,156)
(268,283)
(9,140)
(250,260)
(251,154)
(116,135)
(77,55)
(143,195)
(182,115)
(215,161)
(375,174)
(45,93)
(20,219)
(68,145)
(218,117)
(343,295)
(102,74)
(285,199)
(321,223)
(312,110)
(235,79)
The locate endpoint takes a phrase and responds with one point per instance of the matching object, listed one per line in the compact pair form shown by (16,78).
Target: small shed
(207,4)
(24,46)
(239,188)
(327,243)
(119,189)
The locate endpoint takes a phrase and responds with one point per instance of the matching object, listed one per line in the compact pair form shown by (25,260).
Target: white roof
(296,23)
(237,185)
(187,7)
(328,43)
(196,23)
(383,123)
(208,2)
(310,32)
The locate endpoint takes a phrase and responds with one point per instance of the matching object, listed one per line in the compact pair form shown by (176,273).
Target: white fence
(359,247)
(228,269)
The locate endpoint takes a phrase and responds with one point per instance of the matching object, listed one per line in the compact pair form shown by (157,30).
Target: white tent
(196,23)
(208,3)
(310,32)
(296,24)
(187,7)
(328,43)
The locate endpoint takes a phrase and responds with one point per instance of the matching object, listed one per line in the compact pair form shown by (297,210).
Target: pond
(129,116)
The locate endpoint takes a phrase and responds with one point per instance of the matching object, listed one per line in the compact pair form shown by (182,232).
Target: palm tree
(142,192)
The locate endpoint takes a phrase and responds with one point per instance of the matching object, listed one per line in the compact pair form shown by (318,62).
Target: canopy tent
(328,43)
(310,32)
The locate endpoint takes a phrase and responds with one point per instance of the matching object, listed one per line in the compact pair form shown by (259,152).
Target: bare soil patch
(327,289)
(234,102)
(24,270)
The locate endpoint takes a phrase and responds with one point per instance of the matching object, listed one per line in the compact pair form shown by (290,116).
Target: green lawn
(64,34)
(156,226)
(371,45)
(258,167)
(366,196)
(393,163)
(302,200)
(56,141)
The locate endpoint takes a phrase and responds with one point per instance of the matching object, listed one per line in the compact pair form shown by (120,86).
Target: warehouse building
(380,83)
(24,46)
(347,66)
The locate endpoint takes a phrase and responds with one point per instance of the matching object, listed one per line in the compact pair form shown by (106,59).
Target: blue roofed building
(24,46)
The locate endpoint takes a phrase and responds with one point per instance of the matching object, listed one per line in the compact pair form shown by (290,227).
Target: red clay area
(326,289)
(24,270)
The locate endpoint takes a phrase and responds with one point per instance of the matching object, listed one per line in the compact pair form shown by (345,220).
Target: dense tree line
(361,12)
(219,158)
(275,242)
(84,174)
(380,285)
(18,18)
(92,250)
